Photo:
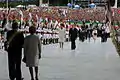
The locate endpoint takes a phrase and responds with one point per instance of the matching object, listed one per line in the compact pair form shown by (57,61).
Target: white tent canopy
(20,6)
(92,5)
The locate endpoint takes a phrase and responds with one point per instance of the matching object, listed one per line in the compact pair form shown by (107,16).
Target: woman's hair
(62,25)
(32,30)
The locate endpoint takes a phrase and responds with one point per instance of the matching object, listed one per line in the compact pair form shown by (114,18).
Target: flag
(118,11)
(30,19)
(37,18)
(21,13)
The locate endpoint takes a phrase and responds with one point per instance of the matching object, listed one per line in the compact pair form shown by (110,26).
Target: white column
(7,10)
(40,2)
(116,1)
(115,6)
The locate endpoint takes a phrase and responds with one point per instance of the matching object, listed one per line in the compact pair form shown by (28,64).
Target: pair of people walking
(32,52)
(72,35)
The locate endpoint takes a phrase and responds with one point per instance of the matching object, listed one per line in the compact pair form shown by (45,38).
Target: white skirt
(61,39)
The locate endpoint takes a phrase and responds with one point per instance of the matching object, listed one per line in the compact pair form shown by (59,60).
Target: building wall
(58,2)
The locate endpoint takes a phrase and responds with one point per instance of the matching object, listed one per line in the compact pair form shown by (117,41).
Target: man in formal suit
(81,34)
(73,36)
(16,41)
(89,33)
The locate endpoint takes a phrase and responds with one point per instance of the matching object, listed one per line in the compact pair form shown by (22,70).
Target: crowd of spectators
(54,13)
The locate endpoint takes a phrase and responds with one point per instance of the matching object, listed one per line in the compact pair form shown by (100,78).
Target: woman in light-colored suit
(61,34)
(32,52)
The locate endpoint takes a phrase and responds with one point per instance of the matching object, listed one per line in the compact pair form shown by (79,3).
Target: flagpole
(7,10)
(7,6)
(40,2)
(72,2)
(109,16)
(48,2)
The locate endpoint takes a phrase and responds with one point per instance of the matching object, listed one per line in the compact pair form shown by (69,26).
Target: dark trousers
(86,35)
(73,45)
(82,38)
(44,41)
(67,39)
(103,38)
(49,41)
(108,35)
(56,40)
(14,66)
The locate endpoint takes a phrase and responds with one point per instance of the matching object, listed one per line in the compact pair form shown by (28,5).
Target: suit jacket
(73,34)
(32,50)
(32,45)
(16,44)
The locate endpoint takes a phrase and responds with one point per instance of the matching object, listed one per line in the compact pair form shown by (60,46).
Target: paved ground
(90,61)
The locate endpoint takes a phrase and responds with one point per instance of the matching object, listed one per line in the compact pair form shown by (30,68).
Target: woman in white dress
(61,35)
(32,52)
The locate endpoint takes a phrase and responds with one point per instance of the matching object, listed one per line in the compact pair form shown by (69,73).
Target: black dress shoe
(36,78)
(12,79)
(72,49)
(20,79)
(32,79)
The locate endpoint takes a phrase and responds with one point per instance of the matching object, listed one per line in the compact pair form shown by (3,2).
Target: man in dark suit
(73,36)
(89,33)
(16,41)
(81,33)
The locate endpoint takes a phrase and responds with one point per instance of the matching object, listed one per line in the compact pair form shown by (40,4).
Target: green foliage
(115,42)
(117,45)
(14,4)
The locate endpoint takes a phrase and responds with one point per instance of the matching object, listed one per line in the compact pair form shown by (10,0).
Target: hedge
(115,42)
